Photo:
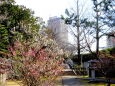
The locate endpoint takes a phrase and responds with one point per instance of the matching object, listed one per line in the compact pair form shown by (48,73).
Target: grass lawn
(13,83)
(18,83)
(94,84)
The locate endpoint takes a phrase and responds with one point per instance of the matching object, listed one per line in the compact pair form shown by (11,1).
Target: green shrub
(109,51)
(4,40)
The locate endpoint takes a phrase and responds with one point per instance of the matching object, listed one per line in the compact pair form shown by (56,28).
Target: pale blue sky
(49,8)
(46,8)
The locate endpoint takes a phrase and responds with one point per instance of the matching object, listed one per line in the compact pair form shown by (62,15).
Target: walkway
(67,79)
(70,81)
(74,81)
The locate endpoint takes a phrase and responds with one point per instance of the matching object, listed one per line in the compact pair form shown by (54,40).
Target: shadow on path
(73,81)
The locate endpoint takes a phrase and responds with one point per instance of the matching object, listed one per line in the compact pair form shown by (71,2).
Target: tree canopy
(16,19)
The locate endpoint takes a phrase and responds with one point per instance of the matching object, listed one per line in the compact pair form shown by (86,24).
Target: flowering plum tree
(5,65)
(36,64)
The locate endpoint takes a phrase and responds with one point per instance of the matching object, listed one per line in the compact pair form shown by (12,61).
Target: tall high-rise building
(59,29)
(111,40)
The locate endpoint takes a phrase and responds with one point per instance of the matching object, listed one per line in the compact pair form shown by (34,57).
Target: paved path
(75,81)
(69,81)
(72,81)
(64,81)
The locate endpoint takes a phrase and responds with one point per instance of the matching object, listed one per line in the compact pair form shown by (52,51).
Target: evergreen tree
(17,21)
(3,39)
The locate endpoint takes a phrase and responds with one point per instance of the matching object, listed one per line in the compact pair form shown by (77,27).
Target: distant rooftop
(55,18)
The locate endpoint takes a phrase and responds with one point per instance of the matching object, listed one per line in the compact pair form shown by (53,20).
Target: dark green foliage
(110,51)
(4,41)
(72,19)
(85,57)
(107,8)
(19,17)
(109,11)
(88,56)
(91,56)
(8,1)
(15,14)
(110,73)
(19,21)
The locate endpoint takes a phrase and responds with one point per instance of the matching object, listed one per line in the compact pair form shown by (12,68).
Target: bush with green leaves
(4,40)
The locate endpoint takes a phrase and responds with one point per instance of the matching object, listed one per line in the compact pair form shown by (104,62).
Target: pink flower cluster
(39,67)
(5,65)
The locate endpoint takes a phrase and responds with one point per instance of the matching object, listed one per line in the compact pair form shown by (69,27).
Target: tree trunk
(108,82)
(97,33)
(78,32)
